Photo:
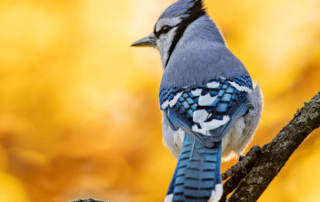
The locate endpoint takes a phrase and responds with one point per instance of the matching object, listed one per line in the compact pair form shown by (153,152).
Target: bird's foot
(243,163)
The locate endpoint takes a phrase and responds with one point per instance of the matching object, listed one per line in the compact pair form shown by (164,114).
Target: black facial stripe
(194,12)
(155,32)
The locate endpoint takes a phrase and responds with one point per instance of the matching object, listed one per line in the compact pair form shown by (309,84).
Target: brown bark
(239,171)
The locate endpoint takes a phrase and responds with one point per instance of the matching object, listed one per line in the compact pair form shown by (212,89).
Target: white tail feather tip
(216,195)
(168,198)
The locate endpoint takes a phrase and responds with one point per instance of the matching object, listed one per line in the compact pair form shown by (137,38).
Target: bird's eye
(165,29)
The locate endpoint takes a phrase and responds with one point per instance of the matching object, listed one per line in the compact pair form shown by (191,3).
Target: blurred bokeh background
(79,112)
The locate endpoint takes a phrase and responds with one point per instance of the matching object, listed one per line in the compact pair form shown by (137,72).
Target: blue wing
(207,112)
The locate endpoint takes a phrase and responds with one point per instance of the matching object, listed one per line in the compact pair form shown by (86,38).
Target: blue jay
(210,106)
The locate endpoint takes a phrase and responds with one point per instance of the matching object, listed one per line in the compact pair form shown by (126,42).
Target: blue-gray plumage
(191,180)
(210,106)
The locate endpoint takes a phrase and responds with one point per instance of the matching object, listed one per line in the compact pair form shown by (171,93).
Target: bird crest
(197,9)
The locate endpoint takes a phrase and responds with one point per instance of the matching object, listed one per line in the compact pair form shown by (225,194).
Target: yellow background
(79,112)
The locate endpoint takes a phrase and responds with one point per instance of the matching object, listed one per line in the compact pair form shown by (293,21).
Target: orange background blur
(79,112)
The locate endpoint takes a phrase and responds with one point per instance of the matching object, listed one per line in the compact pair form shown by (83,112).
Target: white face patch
(240,88)
(206,100)
(167,21)
(172,102)
(165,41)
(213,84)
(164,44)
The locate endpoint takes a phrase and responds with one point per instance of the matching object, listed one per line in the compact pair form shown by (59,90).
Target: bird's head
(171,26)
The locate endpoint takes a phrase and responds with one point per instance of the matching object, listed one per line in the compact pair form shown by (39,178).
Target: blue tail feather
(197,172)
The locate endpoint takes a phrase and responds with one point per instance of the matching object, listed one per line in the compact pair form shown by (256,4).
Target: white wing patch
(200,116)
(197,106)
(206,100)
(197,92)
(172,102)
(240,88)
(195,128)
(213,124)
(213,84)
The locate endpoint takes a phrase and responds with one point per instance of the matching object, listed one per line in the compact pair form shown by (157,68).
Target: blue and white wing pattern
(207,112)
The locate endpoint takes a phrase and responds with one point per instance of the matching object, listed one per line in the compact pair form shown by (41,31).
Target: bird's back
(201,55)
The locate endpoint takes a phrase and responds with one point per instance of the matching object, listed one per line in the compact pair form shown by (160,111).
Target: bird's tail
(197,177)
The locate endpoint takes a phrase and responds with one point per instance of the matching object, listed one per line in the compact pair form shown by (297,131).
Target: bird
(210,106)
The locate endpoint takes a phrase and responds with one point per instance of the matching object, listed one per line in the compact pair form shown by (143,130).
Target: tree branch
(238,173)
(277,152)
